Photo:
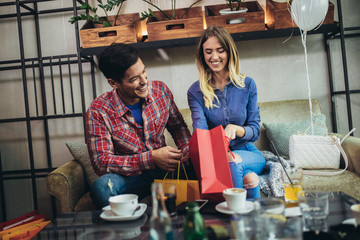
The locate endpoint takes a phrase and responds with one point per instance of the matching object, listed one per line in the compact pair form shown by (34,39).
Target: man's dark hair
(116,59)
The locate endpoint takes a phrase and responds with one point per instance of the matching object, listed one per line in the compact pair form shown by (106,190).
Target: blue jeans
(140,185)
(252,162)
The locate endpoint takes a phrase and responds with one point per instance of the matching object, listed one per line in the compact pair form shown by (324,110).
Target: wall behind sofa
(277,66)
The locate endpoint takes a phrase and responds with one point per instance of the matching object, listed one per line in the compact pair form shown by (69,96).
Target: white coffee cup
(235,198)
(123,204)
(355,209)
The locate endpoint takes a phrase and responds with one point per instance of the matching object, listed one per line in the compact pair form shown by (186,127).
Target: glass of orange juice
(293,182)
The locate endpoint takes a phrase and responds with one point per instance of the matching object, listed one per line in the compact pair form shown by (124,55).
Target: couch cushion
(80,153)
(85,203)
(345,182)
(279,133)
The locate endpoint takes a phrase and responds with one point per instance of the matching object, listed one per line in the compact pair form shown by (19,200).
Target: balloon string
(303,40)
(292,22)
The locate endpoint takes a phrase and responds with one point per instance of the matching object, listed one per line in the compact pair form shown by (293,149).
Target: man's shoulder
(157,85)
(102,102)
(158,88)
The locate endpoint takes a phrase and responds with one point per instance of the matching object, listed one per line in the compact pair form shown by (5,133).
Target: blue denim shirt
(236,106)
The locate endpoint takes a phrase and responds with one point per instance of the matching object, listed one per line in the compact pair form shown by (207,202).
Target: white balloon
(308,14)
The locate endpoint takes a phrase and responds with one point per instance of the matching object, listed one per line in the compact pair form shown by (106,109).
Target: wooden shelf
(244,36)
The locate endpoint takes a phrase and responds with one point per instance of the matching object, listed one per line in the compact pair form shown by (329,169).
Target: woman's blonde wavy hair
(205,73)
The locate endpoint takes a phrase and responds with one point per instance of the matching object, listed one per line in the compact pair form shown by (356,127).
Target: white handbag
(318,152)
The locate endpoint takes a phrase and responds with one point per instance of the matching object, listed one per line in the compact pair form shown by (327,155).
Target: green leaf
(145,15)
(73,20)
(151,13)
(97,19)
(107,24)
(83,17)
(84,6)
(109,6)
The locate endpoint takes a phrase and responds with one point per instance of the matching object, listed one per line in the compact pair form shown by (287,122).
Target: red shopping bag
(208,153)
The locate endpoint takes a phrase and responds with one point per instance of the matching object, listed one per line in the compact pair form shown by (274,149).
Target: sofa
(70,183)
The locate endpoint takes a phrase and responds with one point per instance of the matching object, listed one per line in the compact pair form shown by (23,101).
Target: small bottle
(194,225)
(160,221)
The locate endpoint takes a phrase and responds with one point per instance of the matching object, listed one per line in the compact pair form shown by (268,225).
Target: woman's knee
(251,180)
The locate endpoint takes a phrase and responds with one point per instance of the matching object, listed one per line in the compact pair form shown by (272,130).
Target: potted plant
(93,17)
(150,13)
(234,6)
(105,30)
(246,16)
(173,23)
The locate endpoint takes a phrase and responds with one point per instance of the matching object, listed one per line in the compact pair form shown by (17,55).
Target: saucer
(222,207)
(350,221)
(108,215)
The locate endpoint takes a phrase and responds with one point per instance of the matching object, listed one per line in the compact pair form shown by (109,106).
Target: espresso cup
(123,204)
(235,198)
(355,209)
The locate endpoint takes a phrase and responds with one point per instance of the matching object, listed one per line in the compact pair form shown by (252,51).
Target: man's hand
(185,155)
(232,131)
(167,158)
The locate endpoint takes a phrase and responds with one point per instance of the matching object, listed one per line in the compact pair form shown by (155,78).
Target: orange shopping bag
(186,190)
(208,153)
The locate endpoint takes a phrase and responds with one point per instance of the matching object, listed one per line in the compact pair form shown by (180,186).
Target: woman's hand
(232,131)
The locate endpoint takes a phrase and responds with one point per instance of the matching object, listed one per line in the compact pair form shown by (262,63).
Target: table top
(72,225)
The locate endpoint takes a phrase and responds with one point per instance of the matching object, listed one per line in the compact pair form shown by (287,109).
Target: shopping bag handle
(178,174)
(228,144)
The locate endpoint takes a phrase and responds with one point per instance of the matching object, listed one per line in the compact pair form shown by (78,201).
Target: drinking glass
(271,217)
(243,226)
(170,197)
(292,182)
(314,206)
(93,234)
(355,209)
(291,229)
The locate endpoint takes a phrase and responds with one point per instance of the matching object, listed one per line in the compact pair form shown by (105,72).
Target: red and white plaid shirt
(118,144)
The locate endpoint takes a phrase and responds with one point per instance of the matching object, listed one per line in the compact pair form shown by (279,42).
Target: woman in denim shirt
(224,96)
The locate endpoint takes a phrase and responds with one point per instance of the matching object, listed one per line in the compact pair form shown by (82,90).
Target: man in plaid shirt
(125,128)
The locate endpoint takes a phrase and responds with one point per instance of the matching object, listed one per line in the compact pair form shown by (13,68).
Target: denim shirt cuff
(248,133)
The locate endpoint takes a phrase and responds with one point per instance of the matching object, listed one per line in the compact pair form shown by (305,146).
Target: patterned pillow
(279,133)
(80,153)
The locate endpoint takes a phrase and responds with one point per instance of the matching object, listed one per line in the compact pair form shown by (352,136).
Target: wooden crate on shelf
(191,25)
(253,19)
(278,15)
(127,30)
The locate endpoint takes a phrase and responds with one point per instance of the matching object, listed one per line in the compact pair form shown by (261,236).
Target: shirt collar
(121,107)
(226,86)
(118,103)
